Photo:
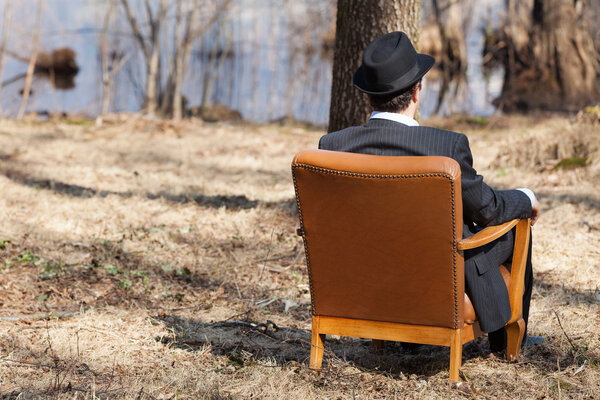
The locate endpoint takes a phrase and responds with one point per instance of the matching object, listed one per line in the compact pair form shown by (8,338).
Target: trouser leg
(497,338)
(528,286)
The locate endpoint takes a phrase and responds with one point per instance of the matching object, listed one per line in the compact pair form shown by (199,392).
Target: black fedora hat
(390,65)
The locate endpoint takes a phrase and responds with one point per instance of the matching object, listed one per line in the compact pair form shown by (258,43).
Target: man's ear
(417,94)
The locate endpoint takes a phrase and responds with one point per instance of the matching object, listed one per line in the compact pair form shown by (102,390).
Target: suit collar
(400,118)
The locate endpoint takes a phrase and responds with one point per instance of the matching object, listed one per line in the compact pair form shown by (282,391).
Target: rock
(214,112)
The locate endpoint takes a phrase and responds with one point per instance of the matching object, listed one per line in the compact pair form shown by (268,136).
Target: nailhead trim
(310,283)
(379,176)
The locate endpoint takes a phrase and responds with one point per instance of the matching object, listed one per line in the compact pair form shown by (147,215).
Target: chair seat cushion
(469,311)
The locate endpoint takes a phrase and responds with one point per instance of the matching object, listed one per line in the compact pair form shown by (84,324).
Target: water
(277,60)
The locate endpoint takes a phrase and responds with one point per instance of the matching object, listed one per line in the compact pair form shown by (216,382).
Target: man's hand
(535,212)
(535,205)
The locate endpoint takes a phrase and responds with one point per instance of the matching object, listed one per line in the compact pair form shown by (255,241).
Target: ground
(147,259)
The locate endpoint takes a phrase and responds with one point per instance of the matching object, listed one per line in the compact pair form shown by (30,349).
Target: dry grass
(174,243)
(551,145)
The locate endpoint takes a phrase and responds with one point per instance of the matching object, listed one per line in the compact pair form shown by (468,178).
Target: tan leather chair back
(380,235)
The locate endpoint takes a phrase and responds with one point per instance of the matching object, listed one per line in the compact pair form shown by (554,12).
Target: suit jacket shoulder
(384,137)
(482,204)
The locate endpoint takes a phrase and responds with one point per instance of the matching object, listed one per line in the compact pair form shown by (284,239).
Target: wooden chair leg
(316,345)
(455,355)
(377,346)
(514,337)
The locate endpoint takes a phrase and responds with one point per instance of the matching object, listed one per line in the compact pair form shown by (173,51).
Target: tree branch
(135,27)
(200,31)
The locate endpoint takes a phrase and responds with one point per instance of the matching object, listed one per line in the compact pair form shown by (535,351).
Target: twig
(76,389)
(258,327)
(31,363)
(575,349)
(580,368)
(251,299)
(236,315)
(200,31)
(297,256)
(78,353)
(57,380)
(274,258)
(41,315)
(135,27)
(590,226)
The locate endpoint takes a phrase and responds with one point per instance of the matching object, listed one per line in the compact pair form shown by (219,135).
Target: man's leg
(528,286)
(497,338)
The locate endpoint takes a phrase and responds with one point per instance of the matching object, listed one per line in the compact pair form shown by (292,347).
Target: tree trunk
(558,63)
(5,32)
(566,48)
(153,71)
(449,19)
(150,48)
(183,59)
(31,66)
(358,23)
(172,68)
(151,77)
(106,76)
(175,80)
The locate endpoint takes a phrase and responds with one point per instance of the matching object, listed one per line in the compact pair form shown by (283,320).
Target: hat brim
(425,63)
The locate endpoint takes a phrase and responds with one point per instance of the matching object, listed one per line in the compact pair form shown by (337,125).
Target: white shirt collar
(401,118)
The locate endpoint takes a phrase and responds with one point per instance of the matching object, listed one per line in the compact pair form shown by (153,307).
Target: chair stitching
(310,282)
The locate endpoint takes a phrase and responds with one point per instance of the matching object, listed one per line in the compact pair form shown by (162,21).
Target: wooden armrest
(517,271)
(519,259)
(486,235)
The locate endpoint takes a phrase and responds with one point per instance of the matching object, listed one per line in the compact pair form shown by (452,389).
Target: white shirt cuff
(529,194)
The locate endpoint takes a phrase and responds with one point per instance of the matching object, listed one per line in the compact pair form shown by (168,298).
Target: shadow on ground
(105,274)
(563,294)
(248,342)
(217,201)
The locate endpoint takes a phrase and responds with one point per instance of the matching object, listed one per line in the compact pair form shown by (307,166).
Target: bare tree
(182,44)
(106,81)
(187,30)
(217,56)
(150,48)
(192,32)
(167,98)
(182,59)
(112,62)
(32,60)
(5,33)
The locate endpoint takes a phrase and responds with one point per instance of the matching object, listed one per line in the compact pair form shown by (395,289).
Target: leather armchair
(384,250)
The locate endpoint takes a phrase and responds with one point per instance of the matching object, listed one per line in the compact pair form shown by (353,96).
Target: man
(390,75)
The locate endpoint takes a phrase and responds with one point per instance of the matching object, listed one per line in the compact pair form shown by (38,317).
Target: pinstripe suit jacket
(482,205)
